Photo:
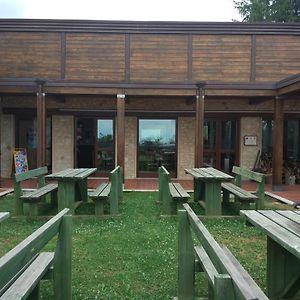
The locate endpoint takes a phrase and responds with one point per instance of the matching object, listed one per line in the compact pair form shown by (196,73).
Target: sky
(132,10)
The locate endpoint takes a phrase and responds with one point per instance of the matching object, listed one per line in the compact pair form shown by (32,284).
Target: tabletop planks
(283,227)
(208,174)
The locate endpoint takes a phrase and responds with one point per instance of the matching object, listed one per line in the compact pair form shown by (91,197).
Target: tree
(269,10)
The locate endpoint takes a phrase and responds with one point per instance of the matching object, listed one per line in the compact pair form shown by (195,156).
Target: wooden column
(41,125)
(121,131)
(277,162)
(199,128)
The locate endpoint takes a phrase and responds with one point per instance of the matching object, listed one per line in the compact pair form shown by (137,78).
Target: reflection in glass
(27,138)
(209,134)
(157,145)
(105,145)
(267,136)
(228,130)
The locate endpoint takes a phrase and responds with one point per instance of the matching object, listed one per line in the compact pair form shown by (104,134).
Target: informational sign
(20,161)
(250,140)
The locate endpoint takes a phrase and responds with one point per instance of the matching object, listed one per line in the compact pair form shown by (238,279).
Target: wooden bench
(6,192)
(171,195)
(227,279)
(243,198)
(111,192)
(283,200)
(33,197)
(23,267)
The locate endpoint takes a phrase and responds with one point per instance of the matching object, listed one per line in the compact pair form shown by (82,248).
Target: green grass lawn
(134,256)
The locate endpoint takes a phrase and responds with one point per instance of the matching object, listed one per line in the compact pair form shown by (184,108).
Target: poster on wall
(20,161)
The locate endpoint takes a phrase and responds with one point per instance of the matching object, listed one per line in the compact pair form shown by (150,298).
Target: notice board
(20,161)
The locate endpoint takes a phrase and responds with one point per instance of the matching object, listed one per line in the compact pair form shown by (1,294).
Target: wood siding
(221,58)
(98,57)
(30,55)
(158,58)
(277,57)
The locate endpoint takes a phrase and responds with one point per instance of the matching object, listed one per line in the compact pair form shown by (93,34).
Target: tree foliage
(269,10)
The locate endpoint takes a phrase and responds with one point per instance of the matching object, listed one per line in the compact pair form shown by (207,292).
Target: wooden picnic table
(207,187)
(282,228)
(3,216)
(72,186)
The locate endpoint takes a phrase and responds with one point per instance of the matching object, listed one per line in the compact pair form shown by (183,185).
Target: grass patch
(134,256)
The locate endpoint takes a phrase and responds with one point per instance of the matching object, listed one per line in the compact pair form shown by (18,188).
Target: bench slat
(105,193)
(258,177)
(28,280)
(206,263)
(4,193)
(239,192)
(97,192)
(280,199)
(40,192)
(181,191)
(252,284)
(174,192)
(31,173)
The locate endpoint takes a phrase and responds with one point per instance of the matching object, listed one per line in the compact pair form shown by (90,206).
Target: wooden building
(141,94)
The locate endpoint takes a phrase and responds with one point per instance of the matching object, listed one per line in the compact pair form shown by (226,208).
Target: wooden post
(277,163)
(199,127)
(121,132)
(63,262)
(186,261)
(41,125)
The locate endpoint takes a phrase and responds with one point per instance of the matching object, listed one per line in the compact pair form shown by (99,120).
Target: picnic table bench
(72,186)
(111,192)
(6,192)
(4,216)
(207,187)
(33,197)
(282,228)
(243,198)
(23,267)
(171,194)
(227,279)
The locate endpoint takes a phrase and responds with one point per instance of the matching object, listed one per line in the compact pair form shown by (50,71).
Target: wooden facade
(252,62)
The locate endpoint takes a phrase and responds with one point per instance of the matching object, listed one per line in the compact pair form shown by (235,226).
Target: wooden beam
(199,128)
(41,125)
(278,144)
(121,131)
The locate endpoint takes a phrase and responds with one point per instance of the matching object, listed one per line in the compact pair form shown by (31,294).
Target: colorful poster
(20,161)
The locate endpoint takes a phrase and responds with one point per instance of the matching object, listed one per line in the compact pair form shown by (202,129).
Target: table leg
(198,190)
(283,272)
(213,205)
(66,195)
(83,190)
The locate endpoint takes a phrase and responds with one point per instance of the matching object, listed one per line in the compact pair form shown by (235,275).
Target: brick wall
(252,127)
(62,142)
(186,148)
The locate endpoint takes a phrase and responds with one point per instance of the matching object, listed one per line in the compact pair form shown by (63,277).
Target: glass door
(105,154)
(220,143)
(156,146)
(95,144)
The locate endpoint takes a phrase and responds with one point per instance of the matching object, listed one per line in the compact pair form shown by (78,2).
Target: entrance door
(95,144)
(156,146)
(220,143)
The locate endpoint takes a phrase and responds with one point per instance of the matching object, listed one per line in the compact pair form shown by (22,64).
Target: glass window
(157,145)
(209,134)
(228,132)
(105,145)
(267,136)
